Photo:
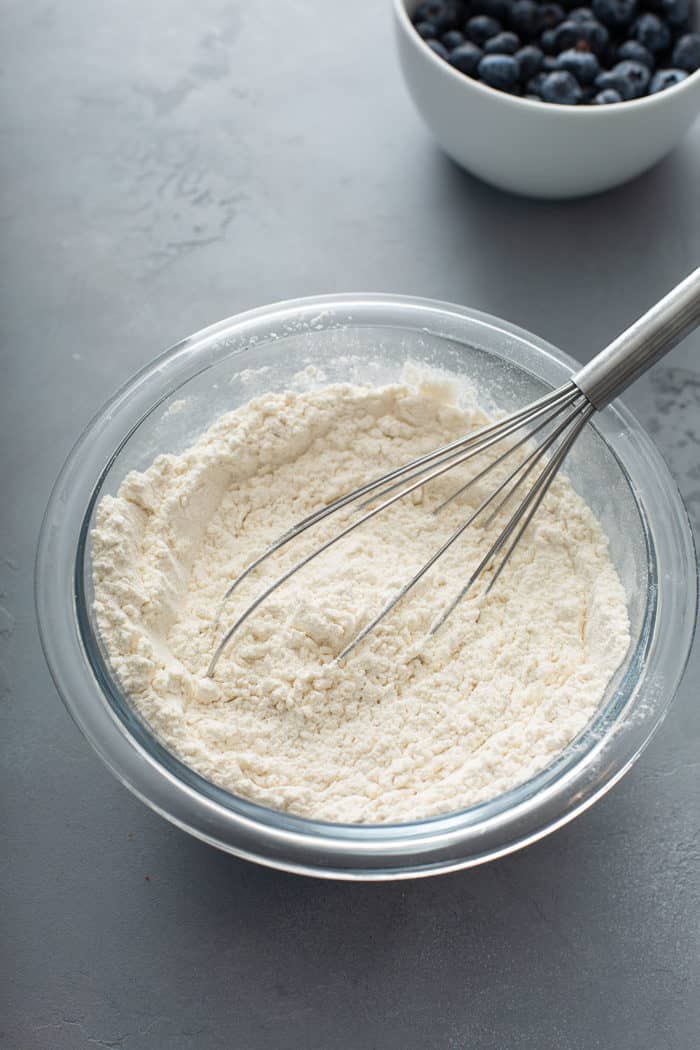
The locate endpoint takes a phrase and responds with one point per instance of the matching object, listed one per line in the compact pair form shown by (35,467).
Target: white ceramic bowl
(536,148)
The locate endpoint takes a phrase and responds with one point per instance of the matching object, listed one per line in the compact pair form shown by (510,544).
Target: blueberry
(604,98)
(676,12)
(615,13)
(630,79)
(633,77)
(525,18)
(548,41)
(581,14)
(502,44)
(530,59)
(636,52)
(534,85)
(466,58)
(452,39)
(581,64)
(652,32)
(686,53)
(442,14)
(438,48)
(573,34)
(666,78)
(481,28)
(499,71)
(549,63)
(566,35)
(550,16)
(595,35)
(427,30)
(562,88)
(607,80)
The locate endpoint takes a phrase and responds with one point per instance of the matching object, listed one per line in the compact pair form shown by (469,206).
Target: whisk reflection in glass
(558,418)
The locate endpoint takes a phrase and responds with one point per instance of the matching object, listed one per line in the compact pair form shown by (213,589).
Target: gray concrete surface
(166,164)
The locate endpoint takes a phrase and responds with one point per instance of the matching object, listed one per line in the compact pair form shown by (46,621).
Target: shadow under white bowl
(539,149)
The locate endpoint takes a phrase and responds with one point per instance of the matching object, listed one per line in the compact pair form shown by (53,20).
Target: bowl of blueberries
(553,99)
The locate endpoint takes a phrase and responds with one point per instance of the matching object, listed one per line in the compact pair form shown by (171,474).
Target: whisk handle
(642,344)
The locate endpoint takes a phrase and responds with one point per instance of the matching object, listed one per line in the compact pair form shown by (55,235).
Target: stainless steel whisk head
(558,418)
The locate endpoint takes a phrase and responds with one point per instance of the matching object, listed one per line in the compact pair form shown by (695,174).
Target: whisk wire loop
(523,514)
(590,389)
(518,475)
(417,473)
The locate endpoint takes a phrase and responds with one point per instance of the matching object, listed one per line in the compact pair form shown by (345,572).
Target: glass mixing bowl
(368,339)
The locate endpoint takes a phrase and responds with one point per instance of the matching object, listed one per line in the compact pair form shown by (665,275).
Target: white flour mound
(408,727)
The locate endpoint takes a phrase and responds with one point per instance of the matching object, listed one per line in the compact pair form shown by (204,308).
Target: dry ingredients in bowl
(407,727)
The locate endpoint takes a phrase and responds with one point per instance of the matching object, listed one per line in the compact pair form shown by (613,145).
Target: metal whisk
(559,417)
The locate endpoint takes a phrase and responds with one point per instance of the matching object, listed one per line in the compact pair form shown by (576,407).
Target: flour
(408,727)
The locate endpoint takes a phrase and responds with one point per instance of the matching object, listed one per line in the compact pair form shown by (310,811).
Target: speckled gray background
(167,163)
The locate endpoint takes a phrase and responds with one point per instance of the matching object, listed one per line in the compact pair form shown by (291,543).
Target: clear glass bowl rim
(358,852)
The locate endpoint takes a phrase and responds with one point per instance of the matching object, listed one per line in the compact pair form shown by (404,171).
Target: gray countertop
(166,164)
